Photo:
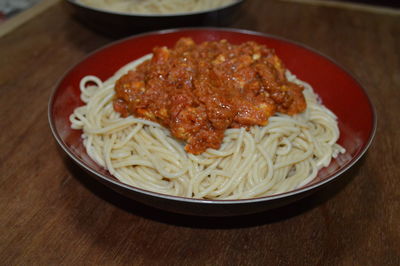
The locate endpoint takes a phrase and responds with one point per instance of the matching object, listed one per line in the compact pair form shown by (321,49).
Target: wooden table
(52,213)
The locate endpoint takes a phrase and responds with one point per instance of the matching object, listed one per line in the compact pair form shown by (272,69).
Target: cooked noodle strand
(283,155)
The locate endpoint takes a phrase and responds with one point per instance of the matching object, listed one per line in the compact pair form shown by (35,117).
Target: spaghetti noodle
(156,6)
(264,160)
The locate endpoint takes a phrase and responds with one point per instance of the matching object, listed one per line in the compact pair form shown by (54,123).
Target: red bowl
(339,91)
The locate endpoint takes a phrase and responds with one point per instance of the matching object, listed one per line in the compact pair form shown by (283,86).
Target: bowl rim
(290,193)
(155,15)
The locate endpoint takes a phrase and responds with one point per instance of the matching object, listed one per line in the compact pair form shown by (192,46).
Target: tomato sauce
(198,91)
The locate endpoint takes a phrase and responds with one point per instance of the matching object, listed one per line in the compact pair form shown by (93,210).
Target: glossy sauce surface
(198,91)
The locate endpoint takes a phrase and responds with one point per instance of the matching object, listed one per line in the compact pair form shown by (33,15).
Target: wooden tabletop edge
(350,6)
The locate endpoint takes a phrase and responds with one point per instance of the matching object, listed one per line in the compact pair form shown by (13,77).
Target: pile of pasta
(284,155)
(156,6)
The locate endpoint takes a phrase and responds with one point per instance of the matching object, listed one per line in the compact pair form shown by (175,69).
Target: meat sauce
(199,91)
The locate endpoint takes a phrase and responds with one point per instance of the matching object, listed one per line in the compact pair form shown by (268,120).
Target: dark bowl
(120,24)
(356,115)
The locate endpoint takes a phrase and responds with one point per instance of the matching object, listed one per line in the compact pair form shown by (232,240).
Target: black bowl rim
(291,193)
(132,14)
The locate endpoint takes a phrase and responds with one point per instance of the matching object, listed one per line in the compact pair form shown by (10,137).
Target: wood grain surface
(53,213)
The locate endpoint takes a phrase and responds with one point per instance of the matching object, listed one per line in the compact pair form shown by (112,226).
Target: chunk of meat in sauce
(199,91)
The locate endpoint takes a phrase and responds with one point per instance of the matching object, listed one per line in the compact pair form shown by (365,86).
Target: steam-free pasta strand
(264,160)
(156,6)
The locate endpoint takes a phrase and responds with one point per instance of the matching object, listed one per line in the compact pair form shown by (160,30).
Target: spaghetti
(156,6)
(283,155)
